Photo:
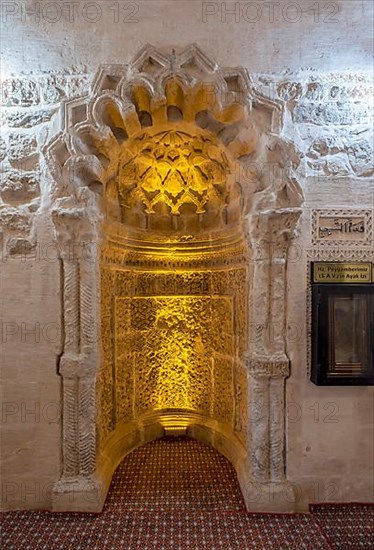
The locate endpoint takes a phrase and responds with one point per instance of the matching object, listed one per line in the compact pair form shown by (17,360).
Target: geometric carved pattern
(173,168)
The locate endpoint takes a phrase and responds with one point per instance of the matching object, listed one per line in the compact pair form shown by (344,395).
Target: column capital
(74,228)
(278,223)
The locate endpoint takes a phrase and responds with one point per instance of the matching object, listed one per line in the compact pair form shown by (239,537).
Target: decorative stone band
(267,367)
(78,366)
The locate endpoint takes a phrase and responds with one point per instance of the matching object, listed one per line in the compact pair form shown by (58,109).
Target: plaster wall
(319,68)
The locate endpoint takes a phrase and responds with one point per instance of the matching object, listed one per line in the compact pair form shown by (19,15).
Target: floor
(181,494)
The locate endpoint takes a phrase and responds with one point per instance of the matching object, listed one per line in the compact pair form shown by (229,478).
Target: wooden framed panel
(342,334)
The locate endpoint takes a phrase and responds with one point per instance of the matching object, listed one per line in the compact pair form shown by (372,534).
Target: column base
(81,494)
(270,497)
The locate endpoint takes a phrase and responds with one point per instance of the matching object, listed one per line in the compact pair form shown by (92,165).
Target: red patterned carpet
(347,526)
(177,494)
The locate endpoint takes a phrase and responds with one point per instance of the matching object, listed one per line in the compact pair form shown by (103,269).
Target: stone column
(266,417)
(70,275)
(267,363)
(277,442)
(77,487)
(259,423)
(70,304)
(89,350)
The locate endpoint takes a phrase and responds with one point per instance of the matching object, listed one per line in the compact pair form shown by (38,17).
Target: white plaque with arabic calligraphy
(342,227)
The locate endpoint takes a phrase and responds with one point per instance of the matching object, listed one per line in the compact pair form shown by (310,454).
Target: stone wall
(325,91)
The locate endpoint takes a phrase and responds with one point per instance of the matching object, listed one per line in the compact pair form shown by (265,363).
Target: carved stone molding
(339,254)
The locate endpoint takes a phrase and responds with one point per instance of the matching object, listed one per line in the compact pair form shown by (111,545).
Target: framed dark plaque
(342,324)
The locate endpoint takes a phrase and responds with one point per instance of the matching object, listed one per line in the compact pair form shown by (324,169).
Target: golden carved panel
(105,381)
(124,390)
(173,340)
(223,405)
(241,398)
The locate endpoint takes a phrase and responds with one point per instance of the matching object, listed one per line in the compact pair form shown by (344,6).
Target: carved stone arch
(205,135)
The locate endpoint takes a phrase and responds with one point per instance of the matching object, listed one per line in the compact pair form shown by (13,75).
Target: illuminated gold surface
(173,285)
(174,341)
(171,340)
(173,168)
